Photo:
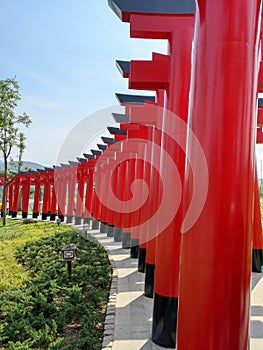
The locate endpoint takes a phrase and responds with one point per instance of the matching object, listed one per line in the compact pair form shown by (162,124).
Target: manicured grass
(40,306)
(13,236)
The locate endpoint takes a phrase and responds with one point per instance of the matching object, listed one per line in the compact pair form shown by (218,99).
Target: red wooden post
(26,179)
(16,196)
(96,206)
(104,210)
(180,33)
(129,101)
(72,180)
(53,208)
(89,190)
(151,75)
(175,23)
(81,179)
(60,183)
(109,216)
(47,193)
(112,181)
(122,232)
(10,197)
(257,251)
(214,298)
(36,205)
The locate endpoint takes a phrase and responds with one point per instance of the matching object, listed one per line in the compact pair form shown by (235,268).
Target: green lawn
(40,306)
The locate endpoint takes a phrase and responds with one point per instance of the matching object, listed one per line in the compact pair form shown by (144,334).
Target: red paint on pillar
(46,197)
(257,231)
(10,197)
(80,195)
(25,194)
(16,196)
(89,189)
(53,209)
(36,205)
(214,299)
(71,180)
(168,241)
(98,177)
(105,192)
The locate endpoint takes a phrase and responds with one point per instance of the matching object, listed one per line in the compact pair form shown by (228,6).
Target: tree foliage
(11,136)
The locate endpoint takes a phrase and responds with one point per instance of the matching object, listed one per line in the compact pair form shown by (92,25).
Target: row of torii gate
(200,280)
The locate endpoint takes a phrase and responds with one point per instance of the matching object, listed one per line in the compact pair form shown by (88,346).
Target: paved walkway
(128,325)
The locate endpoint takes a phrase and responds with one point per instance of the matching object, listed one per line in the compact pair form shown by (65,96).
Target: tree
(10,135)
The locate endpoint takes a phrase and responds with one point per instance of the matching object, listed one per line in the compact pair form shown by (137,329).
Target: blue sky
(63,54)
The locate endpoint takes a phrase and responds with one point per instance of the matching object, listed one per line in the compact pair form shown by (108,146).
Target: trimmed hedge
(49,310)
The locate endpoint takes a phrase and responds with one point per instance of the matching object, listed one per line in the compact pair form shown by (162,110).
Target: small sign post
(69,255)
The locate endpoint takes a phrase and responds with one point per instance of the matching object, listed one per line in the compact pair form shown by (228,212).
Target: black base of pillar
(69,219)
(126,240)
(141,261)
(86,221)
(14,214)
(111,231)
(164,321)
(78,220)
(44,216)
(103,227)
(52,217)
(118,234)
(257,260)
(95,224)
(134,248)
(61,217)
(35,215)
(149,280)
(24,214)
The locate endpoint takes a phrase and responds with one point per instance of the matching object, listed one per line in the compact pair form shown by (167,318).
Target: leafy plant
(48,310)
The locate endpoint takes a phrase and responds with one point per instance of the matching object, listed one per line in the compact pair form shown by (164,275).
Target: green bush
(49,310)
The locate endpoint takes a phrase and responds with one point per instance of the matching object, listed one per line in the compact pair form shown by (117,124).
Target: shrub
(47,309)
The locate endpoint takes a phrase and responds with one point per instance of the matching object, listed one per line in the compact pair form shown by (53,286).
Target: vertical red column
(135,170)
(53,209)
(46,196)
(80,195)
(10,197)
(89,189)
(142,171)
(104,210)
(96,206)
(122,232)
(60,184)
(111,181)
(111,178)
(16,196)
(257,251)
(176,25)
(71,181)
(169,241)
(105,228)
(153,75)
(1,186)
(25,194)
(214,289)
(131,101)
(36,204)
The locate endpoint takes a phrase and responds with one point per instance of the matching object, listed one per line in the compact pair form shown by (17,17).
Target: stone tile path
(128,327)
